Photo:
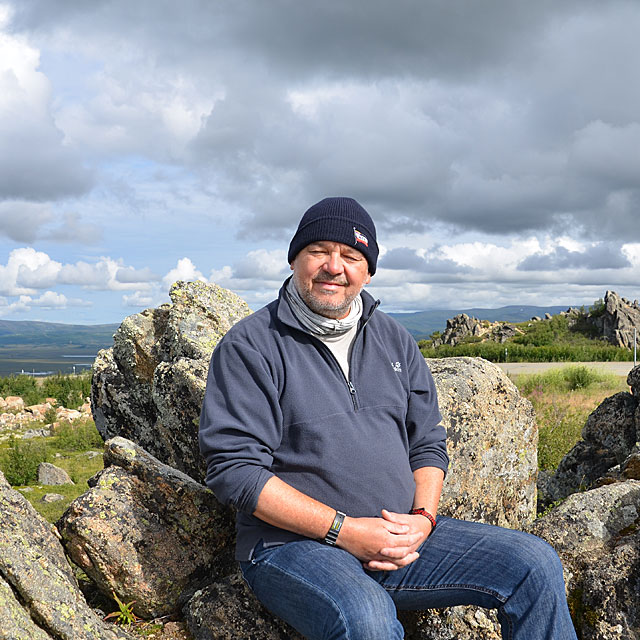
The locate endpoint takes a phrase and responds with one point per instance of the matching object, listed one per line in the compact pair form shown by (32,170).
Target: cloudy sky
(494,143)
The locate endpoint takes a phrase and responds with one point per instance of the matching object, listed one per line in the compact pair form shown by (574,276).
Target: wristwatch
(334,529)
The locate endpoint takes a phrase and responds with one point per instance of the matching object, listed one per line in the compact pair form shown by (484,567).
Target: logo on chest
(397,367)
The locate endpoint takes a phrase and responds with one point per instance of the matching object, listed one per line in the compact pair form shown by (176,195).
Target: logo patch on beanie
(360,237)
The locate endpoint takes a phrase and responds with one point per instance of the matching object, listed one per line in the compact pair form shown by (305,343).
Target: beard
(324,305)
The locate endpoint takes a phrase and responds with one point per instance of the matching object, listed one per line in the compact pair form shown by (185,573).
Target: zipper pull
(352,389)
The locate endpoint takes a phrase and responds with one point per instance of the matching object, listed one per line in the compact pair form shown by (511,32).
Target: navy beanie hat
(337,220)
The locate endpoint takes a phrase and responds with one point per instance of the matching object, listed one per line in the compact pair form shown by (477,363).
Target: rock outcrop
(463,327)
(147,532)
(608,450)
(39,595)
(149,386)
(617,321)
(597,536)
(492,441)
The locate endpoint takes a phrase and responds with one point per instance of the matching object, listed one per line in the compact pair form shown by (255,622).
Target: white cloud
(34,161)
(184,270)
(138,299)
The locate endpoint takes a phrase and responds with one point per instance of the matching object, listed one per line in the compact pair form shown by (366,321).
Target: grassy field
(563,399)
(70,448)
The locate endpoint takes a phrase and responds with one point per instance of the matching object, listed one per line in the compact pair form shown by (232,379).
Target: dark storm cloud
(405,258)
(600,256)
(503,117)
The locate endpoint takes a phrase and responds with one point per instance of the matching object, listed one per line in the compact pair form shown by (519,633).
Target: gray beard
(316,322)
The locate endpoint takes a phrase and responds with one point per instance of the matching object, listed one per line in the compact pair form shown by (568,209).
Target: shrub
(21,385)
(79,436)
(20,463)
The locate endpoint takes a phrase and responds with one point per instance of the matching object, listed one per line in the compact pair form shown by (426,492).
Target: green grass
(563,399)
(67,449)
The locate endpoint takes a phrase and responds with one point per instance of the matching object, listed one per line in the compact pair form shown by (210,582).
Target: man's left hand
(417,524)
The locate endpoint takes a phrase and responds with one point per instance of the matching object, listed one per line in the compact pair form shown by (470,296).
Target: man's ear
(291,266)
(368,280)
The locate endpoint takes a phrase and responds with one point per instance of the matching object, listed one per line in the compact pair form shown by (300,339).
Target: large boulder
(608,448)
(492,441)
(597,538)
(146,531)
(617,320)
(49,474)
(39,595)
(149,387)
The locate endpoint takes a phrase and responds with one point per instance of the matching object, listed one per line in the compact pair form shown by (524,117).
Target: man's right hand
(380,544)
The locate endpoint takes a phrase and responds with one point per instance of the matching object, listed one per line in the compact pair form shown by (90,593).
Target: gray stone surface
(39,596)
(618,320)
(49,474)
(610,436)
(597,538)
(146,531)
(492,441)
(149,386)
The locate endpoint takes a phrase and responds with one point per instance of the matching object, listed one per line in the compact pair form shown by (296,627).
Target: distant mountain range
(422,324)
(28,332)
(48,347)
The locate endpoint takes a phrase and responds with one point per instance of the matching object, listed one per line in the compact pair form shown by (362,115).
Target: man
(320,424)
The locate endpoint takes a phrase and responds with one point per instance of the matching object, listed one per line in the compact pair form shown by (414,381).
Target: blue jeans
(325,593)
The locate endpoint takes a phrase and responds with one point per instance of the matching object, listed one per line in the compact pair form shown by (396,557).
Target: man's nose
(333,264)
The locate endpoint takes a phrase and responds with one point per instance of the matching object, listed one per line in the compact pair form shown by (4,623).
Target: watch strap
(334,529)
(423,512)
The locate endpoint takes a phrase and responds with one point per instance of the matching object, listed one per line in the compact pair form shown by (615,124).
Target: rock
(547,316)
(617,320)
(39,596)
(608,439)
(67,415)
(51,497)
(462,327)
(149,386)
(536,319)
(492,441)
(459,328)
(36,433)
(38,410)
(597,537)
(13,403)
(633,380)
(49,474)
(147,532)
(227,609)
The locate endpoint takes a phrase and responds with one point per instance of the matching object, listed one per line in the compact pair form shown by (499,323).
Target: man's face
(329,275)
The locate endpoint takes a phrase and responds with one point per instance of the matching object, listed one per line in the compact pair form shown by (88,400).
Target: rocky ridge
(615,322)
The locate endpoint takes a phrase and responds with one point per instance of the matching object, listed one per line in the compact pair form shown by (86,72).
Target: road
(616,368)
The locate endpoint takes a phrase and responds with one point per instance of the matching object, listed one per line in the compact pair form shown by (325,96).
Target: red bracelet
(423,512)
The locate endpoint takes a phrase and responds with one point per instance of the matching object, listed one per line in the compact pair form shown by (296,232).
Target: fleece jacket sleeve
(240,424)
(427,437)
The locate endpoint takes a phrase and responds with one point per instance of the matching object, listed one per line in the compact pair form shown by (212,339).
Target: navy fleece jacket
(278,403)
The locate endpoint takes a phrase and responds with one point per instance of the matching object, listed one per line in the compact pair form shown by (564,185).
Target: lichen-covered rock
(609,437)
(227,609)
(454,623)
(617,320)
(49,474)
(492,440)
(597,536)
(146,531)
(39,596)
(149,386)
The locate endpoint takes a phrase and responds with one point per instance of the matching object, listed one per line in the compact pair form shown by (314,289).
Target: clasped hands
(386,543)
